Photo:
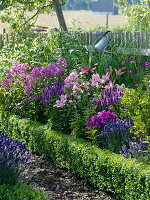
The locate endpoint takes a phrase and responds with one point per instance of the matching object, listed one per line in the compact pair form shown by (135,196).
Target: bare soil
(61,184)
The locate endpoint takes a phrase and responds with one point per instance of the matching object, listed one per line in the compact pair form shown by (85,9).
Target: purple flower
(109,96)
(26,99)
(136,84)
(115,133)
(14,155)
(36,98)
(134,147)
(62,61)
(132,72)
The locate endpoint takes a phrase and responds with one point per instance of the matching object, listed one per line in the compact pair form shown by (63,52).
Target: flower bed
(101,99)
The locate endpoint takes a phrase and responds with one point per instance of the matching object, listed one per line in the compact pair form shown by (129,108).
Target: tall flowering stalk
(14,158)
(109,96)
(115,134)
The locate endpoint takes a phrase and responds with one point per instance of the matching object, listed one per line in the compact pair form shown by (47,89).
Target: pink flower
(96,80)
(62,101)
(86,70)
(106,77)
(119,72)
(109,85)
(98,121)
(72,79)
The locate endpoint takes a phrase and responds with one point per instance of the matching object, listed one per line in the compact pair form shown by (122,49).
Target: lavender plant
(14,158)
(115,134)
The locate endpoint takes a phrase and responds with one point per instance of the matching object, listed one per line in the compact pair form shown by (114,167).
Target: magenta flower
(6,83)
(36,98)
(98,121)
(136,84)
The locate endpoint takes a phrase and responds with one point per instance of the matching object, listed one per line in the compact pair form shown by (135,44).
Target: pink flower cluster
(97,121)
(75,87)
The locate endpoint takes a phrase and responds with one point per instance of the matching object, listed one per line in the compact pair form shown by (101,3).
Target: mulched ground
(60,184)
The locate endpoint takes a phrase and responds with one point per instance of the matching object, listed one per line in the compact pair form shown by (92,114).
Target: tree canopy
(15,11)
(137,12)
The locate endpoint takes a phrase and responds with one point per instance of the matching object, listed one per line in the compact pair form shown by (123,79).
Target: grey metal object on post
(102,44)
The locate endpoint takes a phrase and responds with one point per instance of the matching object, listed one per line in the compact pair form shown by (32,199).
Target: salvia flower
(115,133)
(109,96)
(13,154)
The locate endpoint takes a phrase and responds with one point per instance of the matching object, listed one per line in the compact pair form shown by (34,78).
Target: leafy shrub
(14,158)
(20,192)
(136,106)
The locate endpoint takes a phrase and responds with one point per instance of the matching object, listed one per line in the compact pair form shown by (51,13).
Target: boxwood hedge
(127,179)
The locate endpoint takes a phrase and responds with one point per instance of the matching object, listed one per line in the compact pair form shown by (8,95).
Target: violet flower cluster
(14,155)
(109,96)
(135,148)
(97,121)
(115,133)
(57,89)
(30,79)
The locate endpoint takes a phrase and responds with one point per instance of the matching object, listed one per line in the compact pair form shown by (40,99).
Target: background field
(82,19)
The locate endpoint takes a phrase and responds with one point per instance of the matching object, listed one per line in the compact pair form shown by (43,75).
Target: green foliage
(7,176)
(128,179)
(20,192)
(136,105)
(138,15)
(37,49)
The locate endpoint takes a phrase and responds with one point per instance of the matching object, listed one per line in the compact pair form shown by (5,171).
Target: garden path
(60,184)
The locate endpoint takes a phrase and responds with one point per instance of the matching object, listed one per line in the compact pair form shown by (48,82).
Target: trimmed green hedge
(20,192)
(128,179)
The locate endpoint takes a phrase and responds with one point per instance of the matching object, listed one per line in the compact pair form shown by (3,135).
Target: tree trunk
(60,15)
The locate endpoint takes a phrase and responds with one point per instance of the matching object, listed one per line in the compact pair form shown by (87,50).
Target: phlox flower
(72,79)
(95,80)
(76,89)
(62,61)
(6,83)
(98,121)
